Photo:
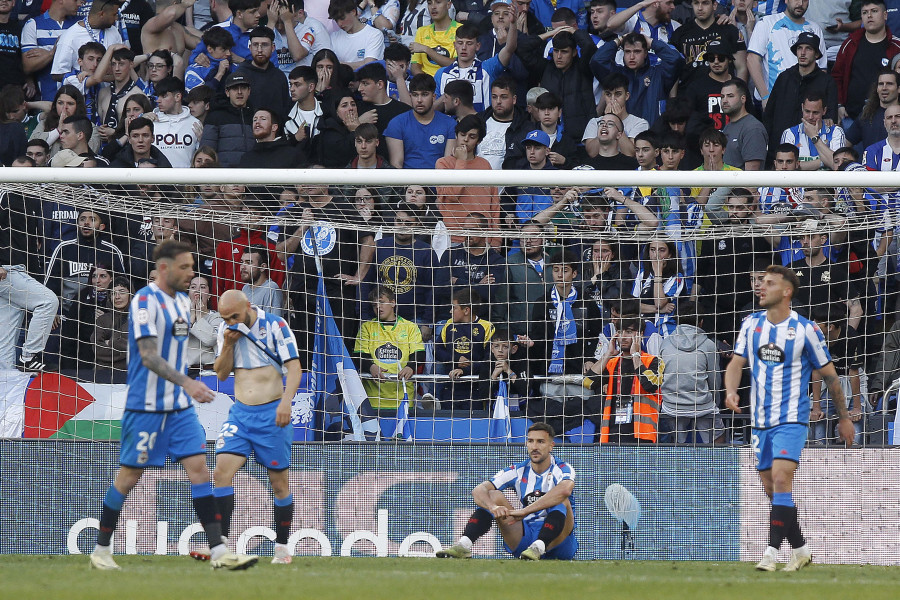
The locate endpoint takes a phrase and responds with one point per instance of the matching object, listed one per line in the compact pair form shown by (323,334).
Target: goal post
(506,295)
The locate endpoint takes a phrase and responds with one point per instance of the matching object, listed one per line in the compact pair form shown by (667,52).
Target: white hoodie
(175,137)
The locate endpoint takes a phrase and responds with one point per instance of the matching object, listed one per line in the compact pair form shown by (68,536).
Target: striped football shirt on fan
(530,485)
(42,32)
(881,157)
(781,357)
(796,136)
(156,314)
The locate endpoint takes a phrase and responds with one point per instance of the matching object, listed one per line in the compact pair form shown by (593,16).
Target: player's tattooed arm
(831,379)
(151,359)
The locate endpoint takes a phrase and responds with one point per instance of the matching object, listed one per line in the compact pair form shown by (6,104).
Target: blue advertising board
(385,492)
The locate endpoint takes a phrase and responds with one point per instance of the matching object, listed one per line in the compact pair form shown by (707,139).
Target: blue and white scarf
(565,332)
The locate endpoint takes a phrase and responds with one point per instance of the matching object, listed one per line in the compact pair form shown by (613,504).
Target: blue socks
(220,492)
(284,514)
(114,498)
(109,515)
(782,499)
(199,490)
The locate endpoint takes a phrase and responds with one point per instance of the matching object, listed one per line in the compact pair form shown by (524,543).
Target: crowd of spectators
(534,285)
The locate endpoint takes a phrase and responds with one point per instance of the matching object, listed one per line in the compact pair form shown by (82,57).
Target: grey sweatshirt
(691,379)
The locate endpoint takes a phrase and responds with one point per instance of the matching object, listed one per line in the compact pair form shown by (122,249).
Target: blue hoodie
(649,85)
(197,75)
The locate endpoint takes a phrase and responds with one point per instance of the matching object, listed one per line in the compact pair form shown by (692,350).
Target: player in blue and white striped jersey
(260,348)
(545,525)
(159,419)
(783,349)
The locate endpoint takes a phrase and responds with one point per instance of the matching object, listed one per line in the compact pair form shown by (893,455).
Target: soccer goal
(438,314)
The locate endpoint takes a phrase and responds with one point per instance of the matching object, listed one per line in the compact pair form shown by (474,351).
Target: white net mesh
(525,284)
(499,307)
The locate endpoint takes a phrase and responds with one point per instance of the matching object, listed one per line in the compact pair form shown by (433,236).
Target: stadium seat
(581,435)
(519,429)
(452,429)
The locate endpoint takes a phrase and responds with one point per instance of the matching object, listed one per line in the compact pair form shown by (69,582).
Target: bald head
(234,307)
(892,120)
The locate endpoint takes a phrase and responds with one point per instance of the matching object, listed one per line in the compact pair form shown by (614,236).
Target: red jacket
(227,265)
(844,61)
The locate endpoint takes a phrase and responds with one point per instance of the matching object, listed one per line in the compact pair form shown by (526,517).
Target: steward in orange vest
(629,382)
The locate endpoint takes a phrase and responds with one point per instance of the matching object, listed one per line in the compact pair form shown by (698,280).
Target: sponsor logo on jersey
(463,345)
(388,353)
(771,354)
(533,497)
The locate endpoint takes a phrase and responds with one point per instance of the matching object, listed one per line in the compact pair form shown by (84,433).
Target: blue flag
(331,366)
(404,427)
(501,428)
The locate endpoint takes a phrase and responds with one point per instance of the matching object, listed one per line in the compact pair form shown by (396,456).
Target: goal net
(437,316)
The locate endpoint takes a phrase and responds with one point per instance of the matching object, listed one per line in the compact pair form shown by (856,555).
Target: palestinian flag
(58,407)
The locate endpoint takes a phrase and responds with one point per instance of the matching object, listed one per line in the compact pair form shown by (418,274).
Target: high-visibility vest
(646,405)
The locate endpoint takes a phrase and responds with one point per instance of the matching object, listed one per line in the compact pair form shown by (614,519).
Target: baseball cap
(718,48)
(503,2)
(537,137)
(533,94)
(810,39)
(236,79)
(67,158)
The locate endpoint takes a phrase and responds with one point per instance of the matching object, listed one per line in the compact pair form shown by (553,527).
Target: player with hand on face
(781,346)
(545,525)
(159,418)
(260,348)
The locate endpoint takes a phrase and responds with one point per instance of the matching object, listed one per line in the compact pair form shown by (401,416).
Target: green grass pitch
(68,578)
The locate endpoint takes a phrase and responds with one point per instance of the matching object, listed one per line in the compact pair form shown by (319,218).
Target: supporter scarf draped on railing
(565,332)
(501,427)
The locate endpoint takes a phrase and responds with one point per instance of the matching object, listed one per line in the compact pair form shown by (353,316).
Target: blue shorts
(252,428)
(781,441)
(530,530)
(148,437)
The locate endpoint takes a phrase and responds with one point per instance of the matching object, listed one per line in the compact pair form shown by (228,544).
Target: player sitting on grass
(258,347)
(545,525)
(159,418)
